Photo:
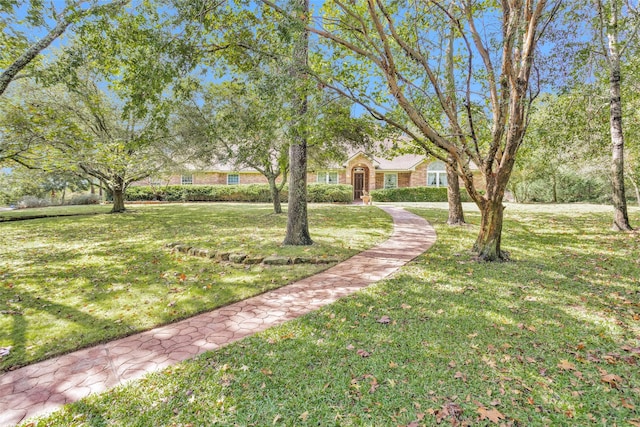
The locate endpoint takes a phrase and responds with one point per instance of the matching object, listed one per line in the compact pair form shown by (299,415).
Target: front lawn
(14,214)
(549,339)
(70,282)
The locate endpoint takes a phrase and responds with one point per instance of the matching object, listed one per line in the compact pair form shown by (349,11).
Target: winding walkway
(45,386)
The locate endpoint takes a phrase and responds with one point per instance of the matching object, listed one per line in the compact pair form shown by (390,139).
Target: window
(186,179)
(327,177)
(390,180)
(437,175)
(233,179)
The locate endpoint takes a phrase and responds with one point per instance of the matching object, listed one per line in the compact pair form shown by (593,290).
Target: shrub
(414,194)
(329,193)
(32,202)
(316,193)
(85,199)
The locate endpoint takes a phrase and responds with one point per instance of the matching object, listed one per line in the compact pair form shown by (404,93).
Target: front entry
(358,185)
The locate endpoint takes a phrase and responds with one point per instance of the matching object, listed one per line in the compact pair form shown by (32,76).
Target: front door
(358,185)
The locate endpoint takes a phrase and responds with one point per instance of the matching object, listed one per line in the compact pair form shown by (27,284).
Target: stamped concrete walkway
(43,387)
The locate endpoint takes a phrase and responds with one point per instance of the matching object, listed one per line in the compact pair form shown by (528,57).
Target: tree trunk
(487,244)
(456,215)
(620,215)
(554,189)
(118,191)
(275,195)
(297,222)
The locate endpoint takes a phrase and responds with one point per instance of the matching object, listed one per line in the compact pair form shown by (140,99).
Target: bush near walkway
(549,339)
(69,282)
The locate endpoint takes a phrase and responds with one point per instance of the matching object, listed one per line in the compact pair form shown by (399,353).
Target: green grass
(54,211)
(70,282)
(549,339)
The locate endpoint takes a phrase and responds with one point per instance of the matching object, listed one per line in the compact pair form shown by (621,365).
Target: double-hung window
(327,178)
(437,175)
(390,180)
(233,179)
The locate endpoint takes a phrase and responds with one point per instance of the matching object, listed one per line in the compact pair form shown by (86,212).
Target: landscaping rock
(277,260)
(223,256)
(182,248)
(173,244)
(237,258)
(253,260)
(193,251)
(202,253)
(302,260)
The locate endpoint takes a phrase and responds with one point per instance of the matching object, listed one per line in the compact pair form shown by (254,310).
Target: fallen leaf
(492,415)
(384,320)
(405,306)
(612,379)
(452,364)
(350,347)
(635,422)
(182,277)
(625,403)
(565,365)
(630,349)
(266,371)
(363,353)
(304,416)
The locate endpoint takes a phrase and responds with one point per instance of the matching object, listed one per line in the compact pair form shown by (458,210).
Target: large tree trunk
(275,195)
(118,196)
(456,215)
(297,222)
(487,244)
(620,215)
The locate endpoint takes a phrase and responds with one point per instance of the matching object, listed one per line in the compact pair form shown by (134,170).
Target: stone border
(241,258)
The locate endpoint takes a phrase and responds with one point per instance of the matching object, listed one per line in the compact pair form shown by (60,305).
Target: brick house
(361,170)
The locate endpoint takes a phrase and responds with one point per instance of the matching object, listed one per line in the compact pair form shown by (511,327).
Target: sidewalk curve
(43,387)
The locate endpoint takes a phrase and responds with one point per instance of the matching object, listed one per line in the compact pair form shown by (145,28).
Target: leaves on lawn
(613,380)
(384,320)
(565,365)
(492,415)
(363,353)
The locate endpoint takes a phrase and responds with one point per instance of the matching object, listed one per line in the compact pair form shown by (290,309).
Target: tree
(372,43)
(297,221)
(562,158)
(241,124)
(611,9)
(20,50)
(85,132)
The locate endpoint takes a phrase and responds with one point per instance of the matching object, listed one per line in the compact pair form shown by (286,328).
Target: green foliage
(329,193)
(87,279)
(84,199)
(22,182)
(414,194)
(569,187)
(316,193)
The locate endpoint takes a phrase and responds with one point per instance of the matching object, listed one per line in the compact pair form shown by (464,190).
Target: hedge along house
(363,171)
